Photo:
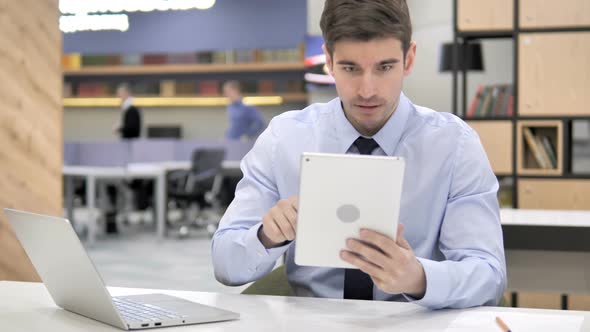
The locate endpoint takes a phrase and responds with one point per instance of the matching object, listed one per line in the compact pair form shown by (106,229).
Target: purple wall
(230,24)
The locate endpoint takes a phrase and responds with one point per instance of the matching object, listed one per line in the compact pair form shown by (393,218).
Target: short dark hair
(365,20)
(234,85)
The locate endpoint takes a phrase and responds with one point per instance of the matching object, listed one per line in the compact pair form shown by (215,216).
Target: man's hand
(391,264)
(116,128)
(279,223)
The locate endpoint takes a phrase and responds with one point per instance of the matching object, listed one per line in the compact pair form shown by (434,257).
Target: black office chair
(196,191)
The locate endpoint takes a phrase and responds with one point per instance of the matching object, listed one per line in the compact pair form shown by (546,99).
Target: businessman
(449,250)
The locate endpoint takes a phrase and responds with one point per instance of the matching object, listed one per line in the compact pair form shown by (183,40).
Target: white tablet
(338,195)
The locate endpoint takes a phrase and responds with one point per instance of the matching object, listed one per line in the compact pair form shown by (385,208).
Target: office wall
(30,121)
(230,24)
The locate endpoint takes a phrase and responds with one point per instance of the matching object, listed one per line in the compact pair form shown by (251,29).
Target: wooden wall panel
(30,121)
(554,14)
(474,15)
(554,74)
(496,138)
(554,194)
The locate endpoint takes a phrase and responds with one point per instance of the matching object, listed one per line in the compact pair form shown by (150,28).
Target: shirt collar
(127,103)
(387,138)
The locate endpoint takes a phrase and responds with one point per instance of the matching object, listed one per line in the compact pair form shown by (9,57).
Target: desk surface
(558,218)
(28,307)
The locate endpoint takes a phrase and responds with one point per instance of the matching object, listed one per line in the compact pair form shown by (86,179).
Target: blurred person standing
(130,125)
(244,120)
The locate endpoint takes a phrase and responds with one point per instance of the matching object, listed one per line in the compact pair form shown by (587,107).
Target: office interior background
(523,88)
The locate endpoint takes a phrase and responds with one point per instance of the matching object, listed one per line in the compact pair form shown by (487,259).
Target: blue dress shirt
(449,205)
(243,120)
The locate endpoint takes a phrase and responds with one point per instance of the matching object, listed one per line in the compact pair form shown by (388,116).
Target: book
(71,61)
(544,154)
(494,99)
(475,101)
(497,109)
(266,86)
(208,87)
(486,99)
(181,58)
(534,148)
(546,142)
(154,59)
(167,88)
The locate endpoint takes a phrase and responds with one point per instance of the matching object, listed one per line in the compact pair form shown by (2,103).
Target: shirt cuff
(437,285)
(258,254)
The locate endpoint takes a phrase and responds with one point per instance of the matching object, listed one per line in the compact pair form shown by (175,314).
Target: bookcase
(526,125)
(268,77)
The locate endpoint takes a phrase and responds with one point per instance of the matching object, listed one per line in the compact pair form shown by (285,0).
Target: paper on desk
(518,322)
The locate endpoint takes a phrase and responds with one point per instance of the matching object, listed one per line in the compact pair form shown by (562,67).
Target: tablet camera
(348,213)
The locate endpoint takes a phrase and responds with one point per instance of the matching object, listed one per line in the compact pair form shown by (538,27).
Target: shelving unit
(168,75)
(551,80)
(186,69)
(551,76)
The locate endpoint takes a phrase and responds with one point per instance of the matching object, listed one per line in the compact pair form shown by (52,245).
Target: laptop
(338,195)
(75,285)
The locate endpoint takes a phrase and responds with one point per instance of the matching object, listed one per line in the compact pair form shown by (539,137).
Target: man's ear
(329,62)
(409,59)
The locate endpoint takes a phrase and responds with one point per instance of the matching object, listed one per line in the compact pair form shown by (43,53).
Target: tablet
(338,195)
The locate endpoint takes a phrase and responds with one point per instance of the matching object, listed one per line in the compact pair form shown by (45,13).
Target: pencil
(503,325)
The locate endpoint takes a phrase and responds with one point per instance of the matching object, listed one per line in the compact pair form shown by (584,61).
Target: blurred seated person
(245,121)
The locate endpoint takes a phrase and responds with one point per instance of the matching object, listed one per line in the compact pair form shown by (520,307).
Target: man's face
(231,93)
(122,94)
(369,77)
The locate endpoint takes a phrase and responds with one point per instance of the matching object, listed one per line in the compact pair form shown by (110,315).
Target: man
(244,120)
(128,128)
(449,250)
(130,125)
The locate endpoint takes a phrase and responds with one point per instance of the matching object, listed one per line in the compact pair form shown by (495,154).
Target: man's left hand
(391,263)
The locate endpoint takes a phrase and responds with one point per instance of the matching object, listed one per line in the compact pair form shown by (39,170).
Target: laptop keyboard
(143,312)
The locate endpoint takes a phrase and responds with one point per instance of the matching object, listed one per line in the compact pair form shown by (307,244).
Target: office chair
(197,189)
(274,283)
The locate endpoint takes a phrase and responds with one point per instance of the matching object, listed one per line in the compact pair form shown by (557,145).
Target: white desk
(547,271)
(555,218)
(28,307)
(156,171)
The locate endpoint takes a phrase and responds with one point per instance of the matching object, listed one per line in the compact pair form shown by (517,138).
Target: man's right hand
(279,223)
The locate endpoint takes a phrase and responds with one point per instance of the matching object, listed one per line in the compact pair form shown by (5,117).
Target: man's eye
(348,69)
(386,67)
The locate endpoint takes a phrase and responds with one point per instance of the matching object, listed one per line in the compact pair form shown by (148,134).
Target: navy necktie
(357,284)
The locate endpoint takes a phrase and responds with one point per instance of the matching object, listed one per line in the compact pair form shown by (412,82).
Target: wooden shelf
(473,15)
(184,69)
(528,158)
(554,194)
(549,90)
(496,138)
(551,13)
(186,101)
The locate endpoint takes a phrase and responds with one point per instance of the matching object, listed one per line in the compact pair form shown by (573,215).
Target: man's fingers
(401,241)
(370,253)
(283,224)
(271,229)
(365,266)
(380,241)
(294,201)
